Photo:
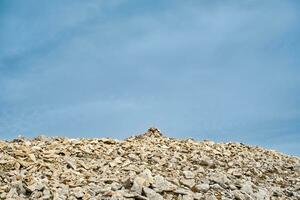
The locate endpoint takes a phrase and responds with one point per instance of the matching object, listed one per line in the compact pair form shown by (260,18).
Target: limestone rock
(151,194)
(148,166)
(202,187)
(161,184)
(188,174)
(187,182)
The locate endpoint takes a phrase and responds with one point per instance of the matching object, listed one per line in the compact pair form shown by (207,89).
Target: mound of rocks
(148,166)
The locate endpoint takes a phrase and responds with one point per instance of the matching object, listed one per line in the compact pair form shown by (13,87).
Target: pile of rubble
(149,166)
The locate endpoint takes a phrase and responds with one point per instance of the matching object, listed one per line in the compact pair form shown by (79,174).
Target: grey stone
(202,187)
(187,182)
(151,194)
(188,174)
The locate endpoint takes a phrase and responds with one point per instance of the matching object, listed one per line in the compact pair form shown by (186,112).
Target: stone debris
(146,167)
(204,187)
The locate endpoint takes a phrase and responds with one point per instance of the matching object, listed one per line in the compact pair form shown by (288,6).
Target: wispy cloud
(221,70)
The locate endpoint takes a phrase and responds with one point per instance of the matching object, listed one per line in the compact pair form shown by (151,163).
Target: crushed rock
(150,166)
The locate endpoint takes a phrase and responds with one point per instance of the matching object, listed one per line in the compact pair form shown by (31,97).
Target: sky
(217,70)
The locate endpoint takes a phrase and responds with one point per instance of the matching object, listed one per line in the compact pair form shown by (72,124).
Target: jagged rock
(151,194)
(144,179)
(147,175)
(206,161)
(187,197)
(161,184)
(187,182)
(247,188)
(210,197)
(296,168)
(198,196)
(262,194)
(182,191)
(188,174)
(115,186)
(238,195)
(138,184)
(78,193)
(202,187)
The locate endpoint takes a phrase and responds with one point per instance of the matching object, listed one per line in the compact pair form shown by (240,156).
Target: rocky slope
(149,166)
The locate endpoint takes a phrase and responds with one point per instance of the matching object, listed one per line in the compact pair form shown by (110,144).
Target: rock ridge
(150,166)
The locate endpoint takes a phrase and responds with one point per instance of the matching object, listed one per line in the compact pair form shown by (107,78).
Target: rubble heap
(149,166)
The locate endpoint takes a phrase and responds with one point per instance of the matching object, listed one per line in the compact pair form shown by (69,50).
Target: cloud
(225,71)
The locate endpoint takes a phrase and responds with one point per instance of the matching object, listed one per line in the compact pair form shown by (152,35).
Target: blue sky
(219,70)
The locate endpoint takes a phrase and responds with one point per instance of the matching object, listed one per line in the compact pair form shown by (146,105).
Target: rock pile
(149,166)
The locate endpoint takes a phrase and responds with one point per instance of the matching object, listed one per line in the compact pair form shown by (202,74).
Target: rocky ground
(149,166)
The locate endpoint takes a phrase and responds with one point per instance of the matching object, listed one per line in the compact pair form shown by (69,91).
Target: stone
(187,197)
(161,184)
(198,196)
(238,195)
(116,186)
(147,175)
(262,194)
(206,161)
(210,197)
(220,179)
(187,182)
(151,194)
(247,188)
(138,184)
(78,193)
(182,191)
(188,174)
(296,168)
(202,187)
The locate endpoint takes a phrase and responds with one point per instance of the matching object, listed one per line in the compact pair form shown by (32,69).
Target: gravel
(148,166)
